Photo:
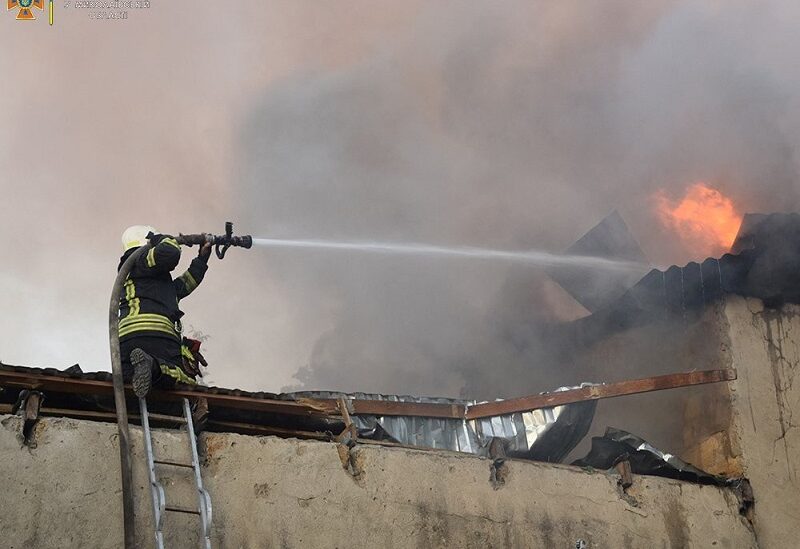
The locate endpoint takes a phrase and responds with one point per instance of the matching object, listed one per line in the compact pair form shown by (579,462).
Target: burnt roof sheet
(767,266)
(609,239)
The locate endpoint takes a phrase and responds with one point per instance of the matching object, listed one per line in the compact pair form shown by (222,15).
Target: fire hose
(221,243)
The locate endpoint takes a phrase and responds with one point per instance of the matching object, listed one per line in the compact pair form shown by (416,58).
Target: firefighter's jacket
(150,304)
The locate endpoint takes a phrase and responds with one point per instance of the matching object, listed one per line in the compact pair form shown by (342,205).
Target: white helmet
(136,236)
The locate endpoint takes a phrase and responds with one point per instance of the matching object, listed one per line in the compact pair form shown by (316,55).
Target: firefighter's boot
(142,372)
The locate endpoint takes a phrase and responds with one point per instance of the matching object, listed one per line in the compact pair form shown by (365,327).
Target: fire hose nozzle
(221,242)
(245,241)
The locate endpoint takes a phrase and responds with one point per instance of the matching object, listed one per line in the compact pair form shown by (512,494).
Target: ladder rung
(182,510)
(173,463)
(167,418)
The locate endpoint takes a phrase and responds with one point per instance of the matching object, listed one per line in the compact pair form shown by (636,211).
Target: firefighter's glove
(191,369)
(205,252)
(192,359)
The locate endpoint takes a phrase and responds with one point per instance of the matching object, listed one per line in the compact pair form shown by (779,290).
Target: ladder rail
(203,498)
(157,493)
(156,490)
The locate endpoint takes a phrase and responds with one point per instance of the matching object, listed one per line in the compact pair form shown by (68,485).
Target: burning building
(716,464)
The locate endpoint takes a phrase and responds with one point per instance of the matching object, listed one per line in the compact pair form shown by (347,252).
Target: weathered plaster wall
(765,349)
(270,492)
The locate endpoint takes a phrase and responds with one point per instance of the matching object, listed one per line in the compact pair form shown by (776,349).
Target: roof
(544,427)
(546,433)
(766,266)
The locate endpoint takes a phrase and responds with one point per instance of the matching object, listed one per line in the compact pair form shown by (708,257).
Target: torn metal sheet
(609,239)
(618,445)
(546,434)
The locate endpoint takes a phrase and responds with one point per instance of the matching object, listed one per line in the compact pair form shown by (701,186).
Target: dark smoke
(510,127)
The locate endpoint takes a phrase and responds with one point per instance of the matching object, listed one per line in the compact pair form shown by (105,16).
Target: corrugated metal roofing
(546,434)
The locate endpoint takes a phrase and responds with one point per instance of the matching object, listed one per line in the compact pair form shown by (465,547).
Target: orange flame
(706,220)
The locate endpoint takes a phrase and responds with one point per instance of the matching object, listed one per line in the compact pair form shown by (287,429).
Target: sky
(509,125)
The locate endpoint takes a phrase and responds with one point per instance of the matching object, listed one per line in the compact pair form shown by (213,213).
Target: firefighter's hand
(205,252)
(191,369)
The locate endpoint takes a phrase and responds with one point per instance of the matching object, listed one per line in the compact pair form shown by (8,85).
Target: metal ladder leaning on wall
(157,490)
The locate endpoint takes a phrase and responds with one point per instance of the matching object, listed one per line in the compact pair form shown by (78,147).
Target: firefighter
(152,348)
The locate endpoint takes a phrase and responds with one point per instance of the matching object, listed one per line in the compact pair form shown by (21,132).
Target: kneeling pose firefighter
(152,348)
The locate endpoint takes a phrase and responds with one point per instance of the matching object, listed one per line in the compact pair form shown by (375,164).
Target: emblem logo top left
(25,8)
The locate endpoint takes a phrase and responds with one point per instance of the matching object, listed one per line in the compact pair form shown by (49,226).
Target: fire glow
(705,220)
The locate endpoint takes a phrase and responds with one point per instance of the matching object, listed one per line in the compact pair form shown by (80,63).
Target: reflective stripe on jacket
(150,304)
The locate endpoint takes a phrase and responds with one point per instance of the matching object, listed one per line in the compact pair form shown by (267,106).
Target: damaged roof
(609,239)
(544,434)
(544,427)
(766,266)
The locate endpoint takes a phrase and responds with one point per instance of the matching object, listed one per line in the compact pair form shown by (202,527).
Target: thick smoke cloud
(510,128)
(511,125)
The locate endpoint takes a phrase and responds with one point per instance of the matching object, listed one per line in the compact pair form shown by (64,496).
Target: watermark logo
(25,8)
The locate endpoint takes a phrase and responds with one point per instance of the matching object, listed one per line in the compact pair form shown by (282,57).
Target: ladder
(157,490)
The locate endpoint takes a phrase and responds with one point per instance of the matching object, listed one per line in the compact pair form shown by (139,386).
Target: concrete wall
(744,428)
(270,492)
(765,349)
